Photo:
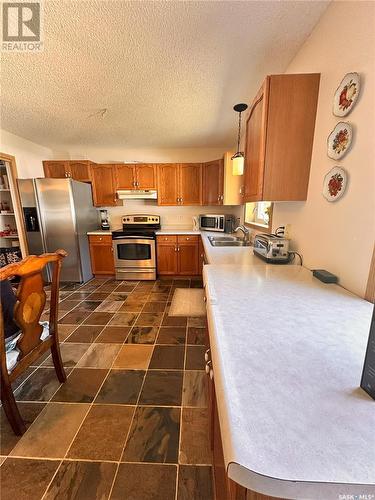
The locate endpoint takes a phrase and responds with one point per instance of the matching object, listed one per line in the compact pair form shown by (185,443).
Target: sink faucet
(246,233)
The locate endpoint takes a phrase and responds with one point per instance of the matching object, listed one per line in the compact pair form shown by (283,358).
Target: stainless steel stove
(134,247)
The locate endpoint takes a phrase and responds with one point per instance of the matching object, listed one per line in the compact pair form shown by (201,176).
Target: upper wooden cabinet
(220,186)
(135,176)
(180,184)
(79,170)
(190,184)
(213,182)
(103,185)
(279,138)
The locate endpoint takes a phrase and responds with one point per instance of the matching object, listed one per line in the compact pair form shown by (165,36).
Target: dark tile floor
(131,422)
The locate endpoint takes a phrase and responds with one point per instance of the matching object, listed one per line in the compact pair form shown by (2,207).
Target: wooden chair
(30,302)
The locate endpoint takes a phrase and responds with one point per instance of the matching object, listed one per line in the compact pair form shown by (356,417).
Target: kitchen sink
(227,241)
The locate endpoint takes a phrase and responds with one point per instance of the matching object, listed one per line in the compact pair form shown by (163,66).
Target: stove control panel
(140,219)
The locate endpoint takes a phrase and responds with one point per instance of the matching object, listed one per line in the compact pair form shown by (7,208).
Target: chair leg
(11,408)
(57,361)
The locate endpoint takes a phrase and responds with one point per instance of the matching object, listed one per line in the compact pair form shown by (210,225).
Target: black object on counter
(325,276)
(368,374)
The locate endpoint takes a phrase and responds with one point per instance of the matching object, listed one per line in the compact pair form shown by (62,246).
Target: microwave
(214,222)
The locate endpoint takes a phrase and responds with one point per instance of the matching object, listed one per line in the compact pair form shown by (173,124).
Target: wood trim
(370,289)
(18,213)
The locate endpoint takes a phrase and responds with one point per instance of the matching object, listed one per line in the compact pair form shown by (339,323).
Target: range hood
(137,194)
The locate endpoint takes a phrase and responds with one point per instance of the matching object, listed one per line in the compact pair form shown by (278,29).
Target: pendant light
(238,159)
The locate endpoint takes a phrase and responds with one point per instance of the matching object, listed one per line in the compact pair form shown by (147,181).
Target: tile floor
(131,421)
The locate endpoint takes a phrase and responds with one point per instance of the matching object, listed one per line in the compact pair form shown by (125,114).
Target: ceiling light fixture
(238,159)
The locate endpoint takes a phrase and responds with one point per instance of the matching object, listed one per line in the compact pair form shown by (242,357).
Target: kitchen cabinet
(135,176)
(180,184)
(201,256)
(279,138)
(213,182)
(177,255)
(79,170)
(101,254)
(103,185)
(190,184)
(219,185)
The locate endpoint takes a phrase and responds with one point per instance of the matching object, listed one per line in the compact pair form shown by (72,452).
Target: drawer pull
(207,355)
(211,374)
(208,367)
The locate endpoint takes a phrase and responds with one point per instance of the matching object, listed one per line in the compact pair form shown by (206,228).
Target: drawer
(106,239)
(166,238)
(188,238)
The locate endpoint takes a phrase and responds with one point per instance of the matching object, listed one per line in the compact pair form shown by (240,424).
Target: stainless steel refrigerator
(58,213)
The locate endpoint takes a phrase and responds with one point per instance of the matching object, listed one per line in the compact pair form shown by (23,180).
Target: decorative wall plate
(339,140)
(334,184)
(346,94)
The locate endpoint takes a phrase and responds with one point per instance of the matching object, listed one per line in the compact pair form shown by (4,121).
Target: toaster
(271,248)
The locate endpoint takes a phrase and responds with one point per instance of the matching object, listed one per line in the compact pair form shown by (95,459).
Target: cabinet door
(168,184)
(188,262)
(79,170)
(213,182)
(190,183)
(255,146)
(103,186)
(146,176)
(201,257)
(55,169)
(125,176)
(102,259)
(167,259)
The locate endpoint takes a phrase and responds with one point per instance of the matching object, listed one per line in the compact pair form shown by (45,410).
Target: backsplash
(176,217)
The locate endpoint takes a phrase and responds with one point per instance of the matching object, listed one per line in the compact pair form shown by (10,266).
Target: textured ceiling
(168,72)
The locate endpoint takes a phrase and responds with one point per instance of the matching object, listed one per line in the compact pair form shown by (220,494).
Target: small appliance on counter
(271,248)
(104,220)
(217,222)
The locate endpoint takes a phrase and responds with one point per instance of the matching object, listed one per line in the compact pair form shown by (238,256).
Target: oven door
(134,251)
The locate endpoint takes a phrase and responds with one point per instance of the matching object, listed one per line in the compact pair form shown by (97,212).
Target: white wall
(119,155)
(176,217)
(29,155)
(339,236)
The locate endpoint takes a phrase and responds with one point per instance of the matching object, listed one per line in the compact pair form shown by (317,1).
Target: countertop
(100,232)
(287,353)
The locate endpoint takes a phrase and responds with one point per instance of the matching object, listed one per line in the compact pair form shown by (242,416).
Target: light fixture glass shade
(238,162)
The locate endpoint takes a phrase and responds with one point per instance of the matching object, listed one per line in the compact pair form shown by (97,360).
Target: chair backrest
(31,298)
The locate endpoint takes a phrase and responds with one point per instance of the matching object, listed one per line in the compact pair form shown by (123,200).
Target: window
(259,215)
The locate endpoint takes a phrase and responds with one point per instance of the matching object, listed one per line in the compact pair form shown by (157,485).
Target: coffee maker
(104,220)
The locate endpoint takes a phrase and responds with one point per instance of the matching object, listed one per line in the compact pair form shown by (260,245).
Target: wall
(29,155)
(176,217)
(339,236)
(119,155)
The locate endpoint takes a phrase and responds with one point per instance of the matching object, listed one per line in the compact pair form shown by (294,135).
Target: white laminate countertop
(287,352)
(100,232)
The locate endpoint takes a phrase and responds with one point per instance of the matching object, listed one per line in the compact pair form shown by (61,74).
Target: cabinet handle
(178,249)
(211,374)
(208,367)
(207,355)
(175,249)
(181,200)
(187,238)
(178,200)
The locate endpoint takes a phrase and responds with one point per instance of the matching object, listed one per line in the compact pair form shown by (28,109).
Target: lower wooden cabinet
(178,255)
(101,254)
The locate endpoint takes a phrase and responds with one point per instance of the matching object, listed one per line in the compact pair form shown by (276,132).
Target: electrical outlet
(288,232)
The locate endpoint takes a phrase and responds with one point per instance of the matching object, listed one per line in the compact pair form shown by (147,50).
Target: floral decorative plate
(339,140)
(334,184)
(346,94)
